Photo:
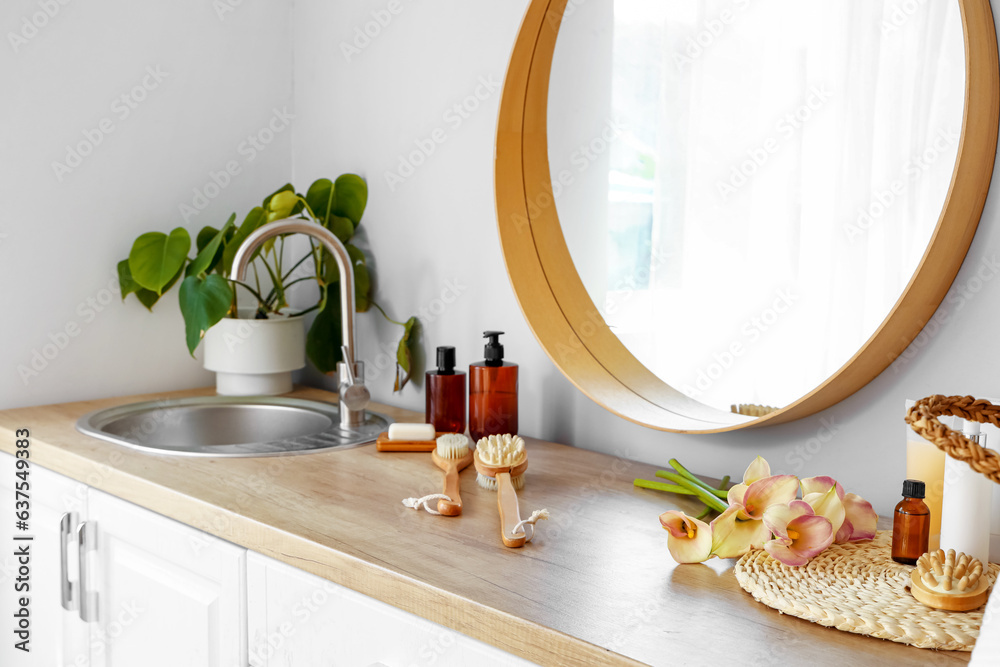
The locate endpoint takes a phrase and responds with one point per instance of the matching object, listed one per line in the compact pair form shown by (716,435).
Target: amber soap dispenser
(911,524)
(492,392)
(445,390)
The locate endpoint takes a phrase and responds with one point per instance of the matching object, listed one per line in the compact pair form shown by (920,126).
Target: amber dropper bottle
(445,390)
(911,524)
(492,392)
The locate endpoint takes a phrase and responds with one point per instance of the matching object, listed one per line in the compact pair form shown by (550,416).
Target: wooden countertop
(595,586)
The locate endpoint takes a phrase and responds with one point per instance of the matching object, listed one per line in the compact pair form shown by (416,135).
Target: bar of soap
(412,432)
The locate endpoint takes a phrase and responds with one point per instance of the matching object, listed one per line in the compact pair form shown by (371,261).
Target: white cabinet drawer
(296,618)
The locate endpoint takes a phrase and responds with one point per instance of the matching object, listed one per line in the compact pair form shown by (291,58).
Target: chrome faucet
(354,396)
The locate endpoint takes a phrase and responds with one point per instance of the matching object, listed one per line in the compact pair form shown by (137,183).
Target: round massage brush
(501,462)
(452,455)
(953,582)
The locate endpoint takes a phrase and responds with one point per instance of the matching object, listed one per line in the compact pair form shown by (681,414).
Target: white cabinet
(145,590)
(296,618)
(59,638)
(168,594)
(154,592)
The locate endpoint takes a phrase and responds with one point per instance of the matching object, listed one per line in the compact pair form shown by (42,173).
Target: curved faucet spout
(352,414)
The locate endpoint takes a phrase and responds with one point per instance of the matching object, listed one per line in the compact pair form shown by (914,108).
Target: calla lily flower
(690,540)
(828,504)
(761,494)
(820,485)
(758,469)
(731,537)
(860,520)
(799,533)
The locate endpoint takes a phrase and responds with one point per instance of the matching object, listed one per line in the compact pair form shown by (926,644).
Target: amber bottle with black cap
(445,390)
(911,524)
(492,392)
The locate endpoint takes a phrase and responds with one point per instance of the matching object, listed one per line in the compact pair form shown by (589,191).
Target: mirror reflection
(746,188)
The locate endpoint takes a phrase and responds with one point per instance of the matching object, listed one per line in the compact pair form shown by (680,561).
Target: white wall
(439,225)
(433,236)
(220,75)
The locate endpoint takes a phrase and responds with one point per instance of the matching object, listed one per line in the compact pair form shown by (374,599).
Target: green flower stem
(704,513)
(661,486)
(708,498)
(684,472)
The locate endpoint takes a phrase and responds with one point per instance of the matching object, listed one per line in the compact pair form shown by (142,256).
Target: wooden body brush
(452,455)
(501,462)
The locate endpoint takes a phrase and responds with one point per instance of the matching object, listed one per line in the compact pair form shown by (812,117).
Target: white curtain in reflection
(783,168)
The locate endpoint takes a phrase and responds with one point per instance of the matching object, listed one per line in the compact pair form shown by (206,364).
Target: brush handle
(451,489)
(510,514)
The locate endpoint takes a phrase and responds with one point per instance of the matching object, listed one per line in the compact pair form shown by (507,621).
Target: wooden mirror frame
(572,331)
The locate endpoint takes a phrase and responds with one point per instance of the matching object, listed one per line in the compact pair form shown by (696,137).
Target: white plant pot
(255,357)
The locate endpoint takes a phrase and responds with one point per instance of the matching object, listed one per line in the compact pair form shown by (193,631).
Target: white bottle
(967,503)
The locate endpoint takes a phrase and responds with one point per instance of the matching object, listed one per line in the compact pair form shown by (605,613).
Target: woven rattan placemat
(859,588)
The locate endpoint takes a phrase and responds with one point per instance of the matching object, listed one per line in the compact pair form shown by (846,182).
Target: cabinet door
(296,618)
(58,636)
(167,594)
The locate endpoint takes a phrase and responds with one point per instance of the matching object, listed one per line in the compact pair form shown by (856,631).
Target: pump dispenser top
(493,353)
(446,360)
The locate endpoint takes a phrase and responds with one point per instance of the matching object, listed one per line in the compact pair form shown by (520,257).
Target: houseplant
(208,295)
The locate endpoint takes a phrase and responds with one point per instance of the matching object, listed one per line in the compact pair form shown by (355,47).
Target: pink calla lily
(761,494)
(690,540)
(860,520)
(732,537)
(758,469)
(828,504)
(820,485)
(799,533)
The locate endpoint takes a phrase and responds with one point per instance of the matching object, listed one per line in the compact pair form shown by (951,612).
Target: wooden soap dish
(384,444)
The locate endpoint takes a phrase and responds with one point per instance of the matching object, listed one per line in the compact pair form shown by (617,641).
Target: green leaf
(210,252)
(341,228)
(320,198)
(362,288)
(404,355)
(350,196)
(155,258)
(255,218)
(203,301)
(125,281)
(324,338)
(148,298)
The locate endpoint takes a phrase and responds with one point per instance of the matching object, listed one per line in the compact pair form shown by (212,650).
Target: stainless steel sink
(229,426)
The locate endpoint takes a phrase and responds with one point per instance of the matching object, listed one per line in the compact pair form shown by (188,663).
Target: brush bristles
(501,450)
(453,446)
(490,483)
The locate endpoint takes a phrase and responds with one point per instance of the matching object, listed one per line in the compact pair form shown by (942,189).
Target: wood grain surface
(596,585)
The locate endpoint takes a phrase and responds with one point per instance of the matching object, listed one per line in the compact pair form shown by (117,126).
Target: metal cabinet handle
(68,593)
(87,535)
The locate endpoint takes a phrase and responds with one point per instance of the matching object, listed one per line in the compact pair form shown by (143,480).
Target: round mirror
(710,204)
